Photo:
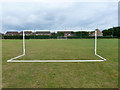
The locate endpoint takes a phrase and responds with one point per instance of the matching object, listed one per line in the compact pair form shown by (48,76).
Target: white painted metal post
(23,42)
(95,42)
(13,59)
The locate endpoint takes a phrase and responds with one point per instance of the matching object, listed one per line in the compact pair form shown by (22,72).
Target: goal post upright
(24,51)
(23,42)
(96,47)
(95,42)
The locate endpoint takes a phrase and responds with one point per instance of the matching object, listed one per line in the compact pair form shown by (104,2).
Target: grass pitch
(61,75)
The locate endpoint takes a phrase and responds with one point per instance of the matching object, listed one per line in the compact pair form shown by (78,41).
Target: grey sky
(59,15)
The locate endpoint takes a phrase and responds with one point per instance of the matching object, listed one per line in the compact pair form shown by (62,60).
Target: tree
(81,34)
(60,33)
(115,31)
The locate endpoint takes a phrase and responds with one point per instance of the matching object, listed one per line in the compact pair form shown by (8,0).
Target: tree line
(115,31)
(107,33)
(77,34)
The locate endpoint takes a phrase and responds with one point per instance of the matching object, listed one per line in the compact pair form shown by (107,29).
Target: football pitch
(60,75)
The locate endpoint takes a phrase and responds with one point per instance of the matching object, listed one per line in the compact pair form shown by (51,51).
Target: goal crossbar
(14,59)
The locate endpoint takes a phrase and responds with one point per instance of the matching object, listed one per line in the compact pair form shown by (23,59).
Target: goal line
(24,51)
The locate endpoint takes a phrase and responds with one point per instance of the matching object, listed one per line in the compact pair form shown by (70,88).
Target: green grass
(61,75)
(59,49)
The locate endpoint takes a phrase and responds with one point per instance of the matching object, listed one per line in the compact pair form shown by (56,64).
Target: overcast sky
(59,15)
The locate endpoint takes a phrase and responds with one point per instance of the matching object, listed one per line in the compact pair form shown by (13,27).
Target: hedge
(53,37)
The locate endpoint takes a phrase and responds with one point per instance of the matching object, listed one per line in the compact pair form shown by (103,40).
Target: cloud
(60,0)
(59,15)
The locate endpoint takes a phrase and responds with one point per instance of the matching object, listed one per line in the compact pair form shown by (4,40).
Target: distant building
(99,33)
(12,33)
(66,33)
(44,32)
(26,33)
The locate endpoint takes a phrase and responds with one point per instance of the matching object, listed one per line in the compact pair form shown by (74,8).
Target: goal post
(24,51)
(61,37)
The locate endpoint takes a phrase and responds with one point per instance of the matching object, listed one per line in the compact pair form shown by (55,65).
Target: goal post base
(56,61)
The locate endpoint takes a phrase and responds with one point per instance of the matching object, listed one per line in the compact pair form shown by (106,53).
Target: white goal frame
(65,38)
(24,50)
